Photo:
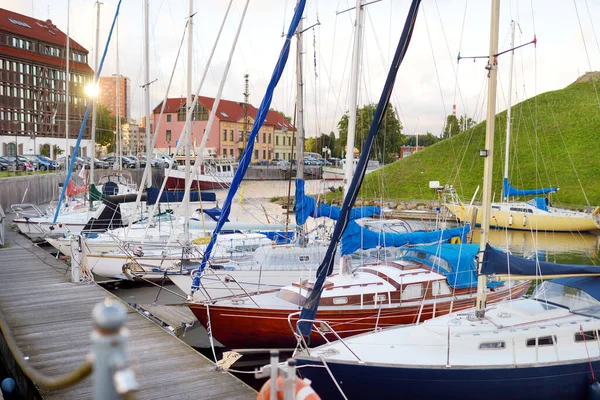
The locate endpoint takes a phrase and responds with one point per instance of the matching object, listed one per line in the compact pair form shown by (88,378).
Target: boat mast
(488,153)
(94,97)
(118,111)
(299,105)
(345,262)
(188,128)
(356,53)
(508,120)
(147,93)
(68,80)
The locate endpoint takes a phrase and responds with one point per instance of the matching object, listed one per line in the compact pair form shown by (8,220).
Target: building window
(231,152)
(168,117)
(181,114)
(264,137)
(224,135)
(12,149)
(276,140)
(168,136)
(231,135)
(276,155)
(224,152)
(256,154)
(269,138)
(264,154)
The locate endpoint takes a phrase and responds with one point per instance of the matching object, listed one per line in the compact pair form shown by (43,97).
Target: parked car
(20,162)
(97,163)
(7,165)
(165,159)
(79,162)
(127,162)
(279,162)
(42,163)
(262,162)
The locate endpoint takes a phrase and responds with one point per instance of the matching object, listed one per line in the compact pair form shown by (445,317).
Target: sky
(429,81)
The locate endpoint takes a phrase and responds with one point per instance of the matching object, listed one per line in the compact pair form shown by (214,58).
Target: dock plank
(50,318)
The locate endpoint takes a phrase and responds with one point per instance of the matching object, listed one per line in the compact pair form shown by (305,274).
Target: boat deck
(50,318)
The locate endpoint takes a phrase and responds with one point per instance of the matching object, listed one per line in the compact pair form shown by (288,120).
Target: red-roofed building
(33,90)
(226,138)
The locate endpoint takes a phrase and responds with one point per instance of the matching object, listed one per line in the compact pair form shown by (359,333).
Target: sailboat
(537,214)
(542,347)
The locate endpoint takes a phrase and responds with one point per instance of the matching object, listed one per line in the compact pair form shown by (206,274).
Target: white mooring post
(112,376)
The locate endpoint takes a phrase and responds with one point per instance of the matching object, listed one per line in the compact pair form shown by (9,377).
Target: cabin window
(492,345)
(542,341)
(439,263)
(304,258)
(495,207)
(523,210)
(412,292)
(587,335)
(440,288)
(340,300)
(379,298)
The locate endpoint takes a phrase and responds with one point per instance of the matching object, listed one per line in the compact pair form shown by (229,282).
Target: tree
(465,122)
(455,125)
(310,144)
(45,150)
(451,127)
(388,139)
(105,128)
(424,140)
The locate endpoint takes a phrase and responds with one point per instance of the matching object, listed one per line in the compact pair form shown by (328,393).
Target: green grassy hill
(546,129)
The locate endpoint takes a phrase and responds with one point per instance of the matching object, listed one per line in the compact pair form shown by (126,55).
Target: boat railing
(224,279)
(27,210)
(323,324)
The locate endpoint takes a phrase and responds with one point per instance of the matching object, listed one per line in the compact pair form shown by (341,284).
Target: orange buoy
(303,390)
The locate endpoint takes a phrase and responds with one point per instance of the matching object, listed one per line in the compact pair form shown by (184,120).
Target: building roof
(43,31)
(228,111)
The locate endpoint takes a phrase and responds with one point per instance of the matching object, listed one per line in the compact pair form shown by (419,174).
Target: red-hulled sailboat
(427,281)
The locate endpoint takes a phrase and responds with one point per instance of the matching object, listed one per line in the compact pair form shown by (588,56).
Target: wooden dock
(50,318)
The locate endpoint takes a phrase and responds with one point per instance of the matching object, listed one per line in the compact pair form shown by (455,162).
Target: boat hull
(527,222)
(558,381)
(204,184)
(269,328)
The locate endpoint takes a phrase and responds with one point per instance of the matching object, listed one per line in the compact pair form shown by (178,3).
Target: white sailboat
(543,347)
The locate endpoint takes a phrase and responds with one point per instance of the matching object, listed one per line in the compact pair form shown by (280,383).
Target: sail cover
(510,191)
(456,261)
(306,206)
(309,309)
(247,154)
(499,262)
(359,237)
(176,196)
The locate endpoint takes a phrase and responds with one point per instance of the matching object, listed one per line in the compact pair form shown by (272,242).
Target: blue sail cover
(176,196)
(309,309)
(306,206)
(540,202)
(499,262)
(508,190)
(247,154)
(459,267)
(359,237)
(589,284)
(85,117)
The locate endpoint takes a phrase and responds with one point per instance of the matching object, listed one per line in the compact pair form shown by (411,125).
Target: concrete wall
(43,188)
